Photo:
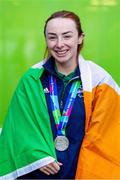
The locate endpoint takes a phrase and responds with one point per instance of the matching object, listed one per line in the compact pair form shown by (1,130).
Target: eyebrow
(50,33)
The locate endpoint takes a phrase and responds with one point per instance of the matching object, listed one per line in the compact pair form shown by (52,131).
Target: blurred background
(22,42)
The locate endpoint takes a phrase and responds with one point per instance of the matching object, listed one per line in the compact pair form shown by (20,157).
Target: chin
(62,59)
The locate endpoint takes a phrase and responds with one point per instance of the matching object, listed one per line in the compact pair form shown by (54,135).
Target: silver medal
(61,143)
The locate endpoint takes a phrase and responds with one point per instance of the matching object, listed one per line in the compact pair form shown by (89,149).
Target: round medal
(61,143)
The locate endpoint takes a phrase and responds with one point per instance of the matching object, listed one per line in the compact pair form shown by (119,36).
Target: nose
(59,43)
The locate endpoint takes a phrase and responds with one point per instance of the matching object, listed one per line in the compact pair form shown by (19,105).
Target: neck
(66,68)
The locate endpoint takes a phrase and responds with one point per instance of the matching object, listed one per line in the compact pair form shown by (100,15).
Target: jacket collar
(37,70)
(49,66)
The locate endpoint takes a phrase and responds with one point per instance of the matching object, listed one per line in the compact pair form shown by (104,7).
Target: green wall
(22,41)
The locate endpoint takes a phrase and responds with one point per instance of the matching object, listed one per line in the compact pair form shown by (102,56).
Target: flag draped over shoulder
(100,151)
(26,137)
(26,140)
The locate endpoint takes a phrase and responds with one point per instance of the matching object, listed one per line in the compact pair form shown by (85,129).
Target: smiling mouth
(61,53)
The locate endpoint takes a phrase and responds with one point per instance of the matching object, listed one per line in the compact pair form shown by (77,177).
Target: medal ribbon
(61,121)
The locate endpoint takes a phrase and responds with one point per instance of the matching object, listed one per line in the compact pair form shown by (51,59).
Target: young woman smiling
(58,122)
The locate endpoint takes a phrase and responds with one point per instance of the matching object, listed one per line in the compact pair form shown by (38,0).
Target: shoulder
(34,71)
(94,68)
(32,75)
(92,72)
(98,73)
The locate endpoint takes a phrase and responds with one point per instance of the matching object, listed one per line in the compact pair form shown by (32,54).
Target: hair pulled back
(70,15)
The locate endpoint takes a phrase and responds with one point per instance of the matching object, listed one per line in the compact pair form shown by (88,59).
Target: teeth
(61,52)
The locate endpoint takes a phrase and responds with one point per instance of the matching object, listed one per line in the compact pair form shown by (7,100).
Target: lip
(61,53)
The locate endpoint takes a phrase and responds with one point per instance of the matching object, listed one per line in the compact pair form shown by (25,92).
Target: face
(62,39)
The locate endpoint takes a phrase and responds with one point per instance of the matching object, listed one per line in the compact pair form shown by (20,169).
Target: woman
(58,122)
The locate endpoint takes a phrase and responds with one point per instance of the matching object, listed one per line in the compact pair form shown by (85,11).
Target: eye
(67,36)
(51,37)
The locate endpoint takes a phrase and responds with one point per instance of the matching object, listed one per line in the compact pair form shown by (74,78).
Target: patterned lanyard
(61,121)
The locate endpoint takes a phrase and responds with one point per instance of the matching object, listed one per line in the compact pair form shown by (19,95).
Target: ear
(80,40)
